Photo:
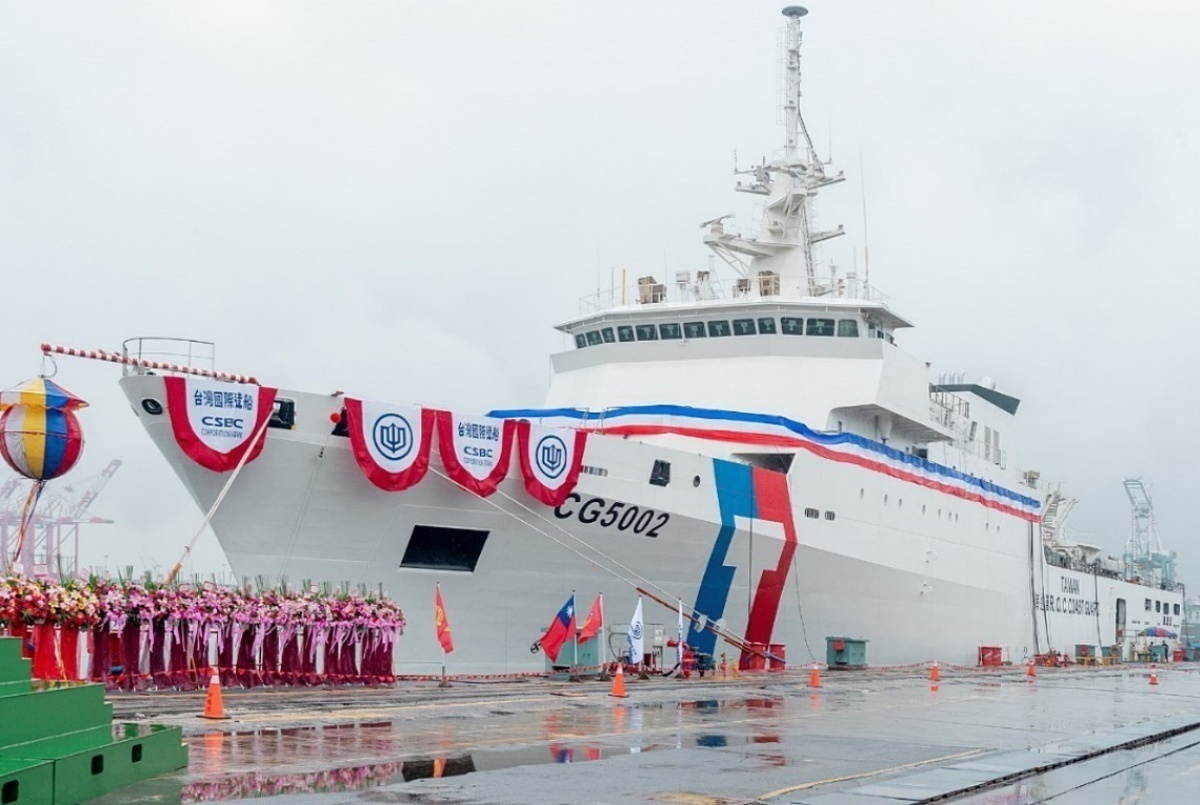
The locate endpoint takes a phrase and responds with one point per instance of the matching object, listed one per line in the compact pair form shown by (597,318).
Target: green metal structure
(60,746)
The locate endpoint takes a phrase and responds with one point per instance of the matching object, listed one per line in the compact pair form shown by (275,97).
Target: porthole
(696,481)
(922,508)
(885,500)
(152,406)
(861,493)
(899,503)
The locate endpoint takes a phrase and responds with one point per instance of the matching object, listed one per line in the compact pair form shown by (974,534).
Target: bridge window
(716,329)
(766,326)
(1158,606)
(744,327)
(820,327)
(647,332)
(670,332)
(624,333)
(1176,609)
(580,341)
(607,335)
(693,329)
(847,328)
(593,338)
(792,326)
(1147,604)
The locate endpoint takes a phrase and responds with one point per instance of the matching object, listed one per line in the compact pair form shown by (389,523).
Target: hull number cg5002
(612,514)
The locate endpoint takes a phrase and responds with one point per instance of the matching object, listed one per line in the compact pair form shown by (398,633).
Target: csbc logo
(221,422)
(393,436)
(635,631)
(551,456)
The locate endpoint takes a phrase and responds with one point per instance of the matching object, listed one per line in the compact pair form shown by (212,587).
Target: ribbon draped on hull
(550,461)
(215,423)
(390,443)
(475,450)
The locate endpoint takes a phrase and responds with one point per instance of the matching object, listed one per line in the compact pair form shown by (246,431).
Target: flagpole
(574,640)
(679,639)
(444,683)
(603,653)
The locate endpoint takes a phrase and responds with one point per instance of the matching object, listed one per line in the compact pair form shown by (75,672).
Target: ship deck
(864,738)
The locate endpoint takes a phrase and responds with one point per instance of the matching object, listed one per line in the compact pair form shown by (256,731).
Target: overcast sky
(400,199)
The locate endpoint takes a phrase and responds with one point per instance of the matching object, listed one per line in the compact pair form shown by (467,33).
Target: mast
(780,260)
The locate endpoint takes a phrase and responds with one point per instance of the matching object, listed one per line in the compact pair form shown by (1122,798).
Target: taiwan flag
(561,629)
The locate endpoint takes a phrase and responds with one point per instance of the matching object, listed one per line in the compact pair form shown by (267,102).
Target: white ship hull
(918,573)
(903,518)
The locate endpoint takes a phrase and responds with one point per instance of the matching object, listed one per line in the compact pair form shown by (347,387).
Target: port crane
(55,522)
(1145,558)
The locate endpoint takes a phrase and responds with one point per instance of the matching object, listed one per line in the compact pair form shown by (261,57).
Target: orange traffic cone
(618,688)
(1153,674)
(213,706)
(1029,672)
(934,674)
(814,679)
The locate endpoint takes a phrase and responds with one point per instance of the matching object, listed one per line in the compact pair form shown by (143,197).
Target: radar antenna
(780,260)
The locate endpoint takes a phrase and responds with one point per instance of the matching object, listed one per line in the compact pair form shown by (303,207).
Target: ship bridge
(830,361)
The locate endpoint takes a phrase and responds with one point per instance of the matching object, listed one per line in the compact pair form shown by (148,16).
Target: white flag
(679,637)
(634,637)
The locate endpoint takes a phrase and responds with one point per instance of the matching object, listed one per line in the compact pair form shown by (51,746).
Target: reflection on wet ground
(307,760)
(778,741)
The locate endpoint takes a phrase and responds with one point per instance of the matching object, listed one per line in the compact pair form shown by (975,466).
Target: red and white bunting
(475,450)
(550,460)
(214,422)
(390,442)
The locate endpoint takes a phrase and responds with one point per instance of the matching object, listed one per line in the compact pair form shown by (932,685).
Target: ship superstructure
(761,449)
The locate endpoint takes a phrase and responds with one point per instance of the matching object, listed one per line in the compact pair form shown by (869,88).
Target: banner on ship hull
(550,460)
(215,422)
(475,450)
(390,442)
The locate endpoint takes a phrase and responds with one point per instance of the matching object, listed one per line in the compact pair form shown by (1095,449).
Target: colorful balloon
(40,443)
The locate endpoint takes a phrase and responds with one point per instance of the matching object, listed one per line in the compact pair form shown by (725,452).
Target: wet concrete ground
(695,742)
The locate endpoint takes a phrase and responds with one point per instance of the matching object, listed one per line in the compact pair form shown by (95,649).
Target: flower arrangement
(83,604)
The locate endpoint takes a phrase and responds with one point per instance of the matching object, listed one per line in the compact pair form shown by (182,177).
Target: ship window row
(719,328)
(1161,607)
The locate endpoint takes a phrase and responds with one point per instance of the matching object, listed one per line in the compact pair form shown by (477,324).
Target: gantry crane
(55,521)
(1145,557)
